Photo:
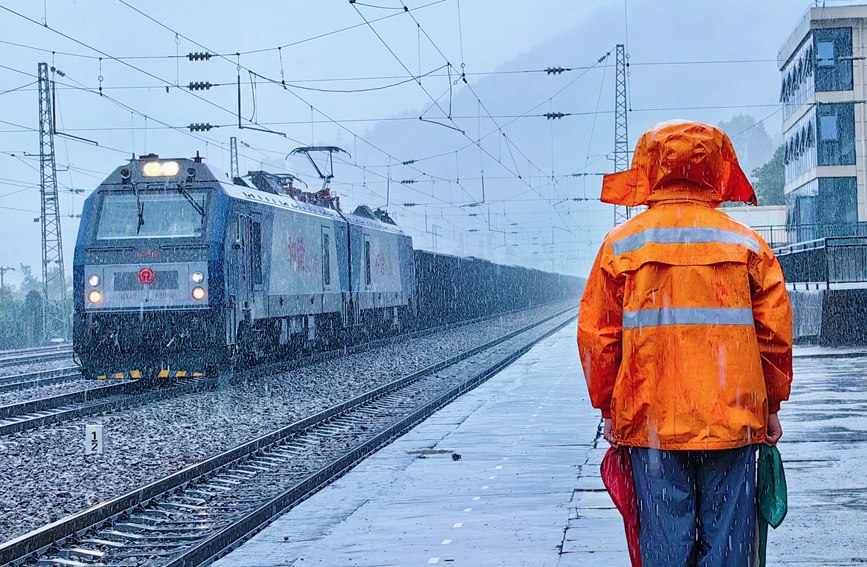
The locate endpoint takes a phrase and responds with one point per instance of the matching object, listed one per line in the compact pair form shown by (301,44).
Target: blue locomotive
(179,270)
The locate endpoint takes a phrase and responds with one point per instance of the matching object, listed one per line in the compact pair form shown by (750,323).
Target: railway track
(197,514)
(29,356)
(114,396)
(41,378)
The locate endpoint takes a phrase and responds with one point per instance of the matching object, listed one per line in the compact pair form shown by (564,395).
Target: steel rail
(48,537)
(35,357)
(41,378)
(64,407)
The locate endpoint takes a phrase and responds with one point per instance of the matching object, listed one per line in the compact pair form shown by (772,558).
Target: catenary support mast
(621,133)
(234,168)
(55,309)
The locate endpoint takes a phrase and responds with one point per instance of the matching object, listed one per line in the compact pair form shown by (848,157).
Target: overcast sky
(697,60)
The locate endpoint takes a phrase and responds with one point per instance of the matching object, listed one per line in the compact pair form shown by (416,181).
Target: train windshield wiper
(139,207)
(199,208)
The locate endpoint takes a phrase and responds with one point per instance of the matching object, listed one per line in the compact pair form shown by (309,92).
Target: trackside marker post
(93,444)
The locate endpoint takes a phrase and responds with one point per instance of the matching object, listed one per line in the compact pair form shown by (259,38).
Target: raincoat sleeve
(772,313)
(600,330)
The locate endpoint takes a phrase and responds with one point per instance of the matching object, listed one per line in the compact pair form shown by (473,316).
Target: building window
(833,49)
(326,258)
(256,252)
(836,123)
(828,128)
(825,50)
(367,278)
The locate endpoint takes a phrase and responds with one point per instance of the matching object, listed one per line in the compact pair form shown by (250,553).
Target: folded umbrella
(616,472)
(772,496)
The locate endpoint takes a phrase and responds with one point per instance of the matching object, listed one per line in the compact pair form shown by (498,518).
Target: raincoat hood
(677,160)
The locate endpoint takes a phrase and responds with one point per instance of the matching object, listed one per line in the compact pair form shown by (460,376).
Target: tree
(10,321)
(33,317)
(29,282)
(770,179)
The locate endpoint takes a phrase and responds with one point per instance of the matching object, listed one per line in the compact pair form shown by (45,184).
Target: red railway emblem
(296,253)
(146,276)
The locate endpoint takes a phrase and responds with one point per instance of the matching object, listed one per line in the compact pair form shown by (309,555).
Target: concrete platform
(526,490)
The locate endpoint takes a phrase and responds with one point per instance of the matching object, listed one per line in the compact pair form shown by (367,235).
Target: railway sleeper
(81,553)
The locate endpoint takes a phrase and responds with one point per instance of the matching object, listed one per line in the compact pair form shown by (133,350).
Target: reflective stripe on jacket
(685,330)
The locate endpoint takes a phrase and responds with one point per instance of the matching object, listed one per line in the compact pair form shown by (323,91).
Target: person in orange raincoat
(685,337)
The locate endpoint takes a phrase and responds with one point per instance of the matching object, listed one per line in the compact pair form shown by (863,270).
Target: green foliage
(770,179)
(20,321)
(30,282)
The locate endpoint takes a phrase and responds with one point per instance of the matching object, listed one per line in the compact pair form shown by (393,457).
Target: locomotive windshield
(152,215)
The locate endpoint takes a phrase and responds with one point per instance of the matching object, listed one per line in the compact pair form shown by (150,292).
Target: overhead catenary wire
(436,47)
(402,81)
(262,76)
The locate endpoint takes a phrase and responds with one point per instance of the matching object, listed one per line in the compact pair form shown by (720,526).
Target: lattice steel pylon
(234,168)
(55,311)
(621,131)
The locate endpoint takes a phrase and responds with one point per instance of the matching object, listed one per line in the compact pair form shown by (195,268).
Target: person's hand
(775,430)
(607,434)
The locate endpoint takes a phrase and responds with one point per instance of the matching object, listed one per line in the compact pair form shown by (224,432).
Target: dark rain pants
(696,508)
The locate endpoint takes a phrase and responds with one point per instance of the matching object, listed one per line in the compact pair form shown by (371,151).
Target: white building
(824,69)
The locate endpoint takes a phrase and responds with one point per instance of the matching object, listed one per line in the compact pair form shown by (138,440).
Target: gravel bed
(45,476)
(36,366)
(77,384)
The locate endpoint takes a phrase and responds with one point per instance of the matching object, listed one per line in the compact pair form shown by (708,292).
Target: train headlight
(94,296)
(160,169)
(93,280)
(198,277)
(199,293)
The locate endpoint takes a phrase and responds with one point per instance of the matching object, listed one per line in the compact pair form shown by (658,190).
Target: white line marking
(458,524)
(445,542)
(468,509)
(485,487)
(477,497)
(498,467)
(433,560)
(492,477)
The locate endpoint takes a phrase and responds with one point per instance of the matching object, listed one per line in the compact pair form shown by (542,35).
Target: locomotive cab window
(130,215)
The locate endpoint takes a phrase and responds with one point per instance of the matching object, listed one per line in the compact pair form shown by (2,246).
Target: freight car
(179,271)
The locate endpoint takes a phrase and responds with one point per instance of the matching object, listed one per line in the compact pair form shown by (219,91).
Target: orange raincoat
(685,327)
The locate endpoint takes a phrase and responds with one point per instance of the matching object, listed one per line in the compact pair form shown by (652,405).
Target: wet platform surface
(526,489)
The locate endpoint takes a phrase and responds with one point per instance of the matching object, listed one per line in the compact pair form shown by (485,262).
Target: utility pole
(54,310)
(3,270)
(621,134)
(234,168)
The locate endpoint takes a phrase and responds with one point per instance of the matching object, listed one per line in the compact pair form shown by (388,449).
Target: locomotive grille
(163,279)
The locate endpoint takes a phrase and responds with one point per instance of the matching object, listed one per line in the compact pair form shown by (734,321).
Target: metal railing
(832,260)
(778,236)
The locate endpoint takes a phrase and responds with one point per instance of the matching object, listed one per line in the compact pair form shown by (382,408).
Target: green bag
(772,499)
